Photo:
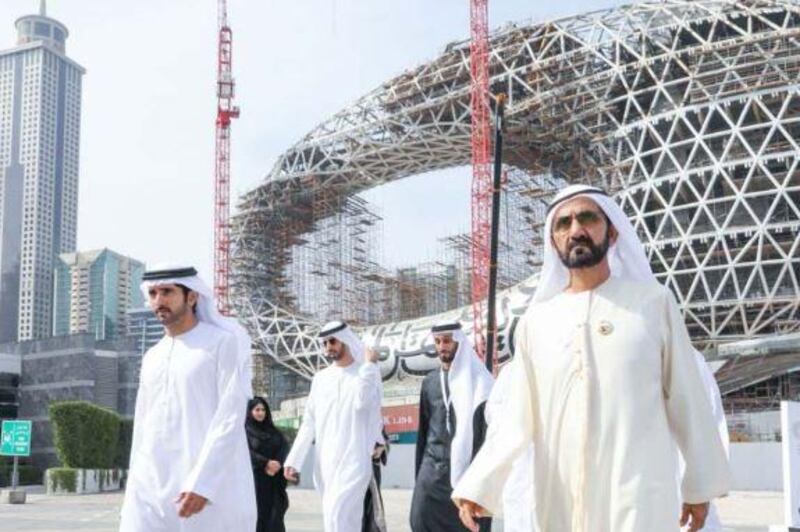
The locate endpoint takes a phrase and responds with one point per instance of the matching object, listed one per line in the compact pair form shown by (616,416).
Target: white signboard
(790,421)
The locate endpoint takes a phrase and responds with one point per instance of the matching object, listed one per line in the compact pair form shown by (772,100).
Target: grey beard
(595,256)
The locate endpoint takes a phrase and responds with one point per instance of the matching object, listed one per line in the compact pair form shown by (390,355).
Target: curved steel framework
(688,111)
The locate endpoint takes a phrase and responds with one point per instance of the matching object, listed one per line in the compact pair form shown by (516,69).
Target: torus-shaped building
(687,111)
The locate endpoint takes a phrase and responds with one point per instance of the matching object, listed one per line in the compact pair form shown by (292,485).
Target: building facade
(93,292)
(72,368)
(40,107)
(144,328)
(10,368)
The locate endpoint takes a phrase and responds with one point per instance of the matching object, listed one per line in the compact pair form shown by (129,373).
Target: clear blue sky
(149,105)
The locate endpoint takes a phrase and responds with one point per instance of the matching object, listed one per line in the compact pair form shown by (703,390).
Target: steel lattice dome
(688,111)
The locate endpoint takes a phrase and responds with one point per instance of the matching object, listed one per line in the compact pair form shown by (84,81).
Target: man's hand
(371,355)
(468,511)
(378,451)
(698,513)
(190,503)
(291,474)
(272,467)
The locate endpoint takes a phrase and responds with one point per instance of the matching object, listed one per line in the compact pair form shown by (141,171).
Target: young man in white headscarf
(190,466)
(451,428)
(604,384)
(343,420)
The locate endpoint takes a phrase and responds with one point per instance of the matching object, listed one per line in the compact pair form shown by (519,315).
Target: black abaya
(267,443)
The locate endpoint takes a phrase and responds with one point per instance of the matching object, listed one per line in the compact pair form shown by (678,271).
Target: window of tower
(41,29)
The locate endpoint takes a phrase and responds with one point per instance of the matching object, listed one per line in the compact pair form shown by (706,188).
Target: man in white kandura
(604,384)
(190,466)
(343,420)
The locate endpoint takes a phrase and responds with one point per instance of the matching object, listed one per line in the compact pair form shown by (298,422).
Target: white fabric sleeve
(305,436)
(715,398)
(377,422)
(497,398)
(369,382)
(485,478)
(227,426)
(707,475)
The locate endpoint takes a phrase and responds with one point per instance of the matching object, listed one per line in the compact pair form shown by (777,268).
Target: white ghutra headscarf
(626,256)
(206,312)
(470,384)
(342,332)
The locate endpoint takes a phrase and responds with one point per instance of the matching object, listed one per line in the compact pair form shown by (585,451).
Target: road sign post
(15,440)
(15,474)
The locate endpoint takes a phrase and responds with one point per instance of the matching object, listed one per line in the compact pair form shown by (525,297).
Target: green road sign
(16,438)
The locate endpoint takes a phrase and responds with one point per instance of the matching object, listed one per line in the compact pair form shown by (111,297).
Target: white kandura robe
(188,435)
(341,415)
(604,412)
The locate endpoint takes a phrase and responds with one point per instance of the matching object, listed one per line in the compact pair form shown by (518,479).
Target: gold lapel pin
(605,328)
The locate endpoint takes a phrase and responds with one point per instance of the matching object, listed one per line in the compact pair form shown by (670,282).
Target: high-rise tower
(40,107)
(94,291)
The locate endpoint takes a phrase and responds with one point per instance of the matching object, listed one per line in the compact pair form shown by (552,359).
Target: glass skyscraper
(93,291)
(40,107)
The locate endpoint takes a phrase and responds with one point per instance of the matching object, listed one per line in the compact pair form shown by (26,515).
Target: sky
(149,104)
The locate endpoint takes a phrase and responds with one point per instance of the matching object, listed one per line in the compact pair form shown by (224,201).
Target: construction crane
(226,111)
(481,165)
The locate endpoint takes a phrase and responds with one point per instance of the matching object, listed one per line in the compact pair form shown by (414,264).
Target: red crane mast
(481,164)
(226,111)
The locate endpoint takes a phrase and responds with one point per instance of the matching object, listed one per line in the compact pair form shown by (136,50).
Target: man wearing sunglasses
(343,421)
(605,386)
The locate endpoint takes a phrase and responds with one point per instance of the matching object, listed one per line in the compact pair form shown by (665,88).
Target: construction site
(326,263)
(682,111)
(327,258)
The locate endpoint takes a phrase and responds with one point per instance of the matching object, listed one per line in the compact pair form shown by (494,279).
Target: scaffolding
(523,209)
(333,267)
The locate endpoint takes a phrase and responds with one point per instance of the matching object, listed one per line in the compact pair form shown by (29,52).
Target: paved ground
(741,512)
(751,510)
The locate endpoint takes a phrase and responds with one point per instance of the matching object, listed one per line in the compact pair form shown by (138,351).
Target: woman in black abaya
(268,450)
